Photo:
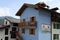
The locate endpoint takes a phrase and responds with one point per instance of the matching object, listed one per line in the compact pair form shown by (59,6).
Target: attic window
(32,19)
(13,35)
(32,31)
(13,28)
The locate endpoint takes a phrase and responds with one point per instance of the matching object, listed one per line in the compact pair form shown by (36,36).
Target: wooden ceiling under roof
(55,17)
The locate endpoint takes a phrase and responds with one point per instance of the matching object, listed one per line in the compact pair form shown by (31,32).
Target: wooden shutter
(32,19)
(32,31)
(24,20)
(23,30)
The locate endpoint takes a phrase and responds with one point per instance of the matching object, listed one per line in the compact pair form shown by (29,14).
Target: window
(55,36)
(6,38)
(1,39)
(13,35)
(33,19)
(13,28)
(6,22)
(24,20)
(15,24)
(32,31)
(56,26)
(23,30)
(6,31)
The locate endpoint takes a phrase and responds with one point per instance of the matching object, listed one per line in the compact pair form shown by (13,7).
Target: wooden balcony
(18,36)
(32,24)
(23,24)
(28,24)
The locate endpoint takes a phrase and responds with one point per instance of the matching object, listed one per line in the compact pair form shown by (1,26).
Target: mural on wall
(45,27)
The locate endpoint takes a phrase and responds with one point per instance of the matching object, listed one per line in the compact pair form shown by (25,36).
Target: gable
(6,22)
(20,11)
(29,12)
(24,7)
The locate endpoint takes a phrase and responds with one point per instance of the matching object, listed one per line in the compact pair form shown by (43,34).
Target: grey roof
(13,20)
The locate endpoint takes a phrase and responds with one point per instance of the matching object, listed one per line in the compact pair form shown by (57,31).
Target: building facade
(8,28)
(38,22)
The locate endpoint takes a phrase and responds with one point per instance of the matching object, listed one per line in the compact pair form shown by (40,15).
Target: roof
(2,26)
(20,11)
(13,20)
(1,21)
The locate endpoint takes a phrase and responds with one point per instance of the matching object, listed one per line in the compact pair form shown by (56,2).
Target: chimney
(42,4)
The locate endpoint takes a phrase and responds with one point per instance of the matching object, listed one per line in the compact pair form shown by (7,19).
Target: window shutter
(32,31)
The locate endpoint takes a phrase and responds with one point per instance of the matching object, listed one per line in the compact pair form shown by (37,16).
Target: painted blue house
(38,22)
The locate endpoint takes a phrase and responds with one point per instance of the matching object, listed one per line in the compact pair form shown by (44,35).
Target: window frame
(56,25)
(32,31)
(55,36)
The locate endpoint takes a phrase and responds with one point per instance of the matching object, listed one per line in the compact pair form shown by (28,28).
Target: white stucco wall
(8,23)
(55,31)
(2,34)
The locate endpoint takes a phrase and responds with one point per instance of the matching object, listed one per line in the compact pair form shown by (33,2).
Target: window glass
(56,36)
(56,26)
(32,19)
(6,38)
(6,31)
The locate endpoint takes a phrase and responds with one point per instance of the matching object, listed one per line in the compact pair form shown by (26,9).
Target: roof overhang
(20,11)
(23,8)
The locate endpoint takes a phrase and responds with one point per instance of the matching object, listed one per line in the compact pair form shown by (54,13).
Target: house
(8,27)
(38,22)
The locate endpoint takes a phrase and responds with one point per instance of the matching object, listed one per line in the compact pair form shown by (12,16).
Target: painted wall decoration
(45,27)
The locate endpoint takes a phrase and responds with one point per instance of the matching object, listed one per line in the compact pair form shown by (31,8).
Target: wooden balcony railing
(18,36)
(28,24)
(23,24)
(33,24)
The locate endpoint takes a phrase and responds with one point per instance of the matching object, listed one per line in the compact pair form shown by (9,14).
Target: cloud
(46,0)
(4,11)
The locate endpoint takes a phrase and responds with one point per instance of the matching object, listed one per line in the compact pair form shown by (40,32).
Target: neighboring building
(8,27)
(38,22)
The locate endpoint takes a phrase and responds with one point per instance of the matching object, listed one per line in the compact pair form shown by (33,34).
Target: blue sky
(10,7)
